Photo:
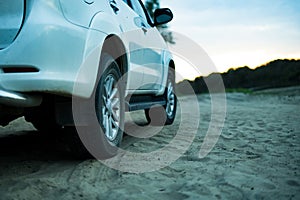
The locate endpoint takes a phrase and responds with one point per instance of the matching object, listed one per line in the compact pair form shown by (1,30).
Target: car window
(140,10)
(128,3)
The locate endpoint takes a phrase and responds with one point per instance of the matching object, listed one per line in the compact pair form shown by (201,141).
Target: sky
(237,33)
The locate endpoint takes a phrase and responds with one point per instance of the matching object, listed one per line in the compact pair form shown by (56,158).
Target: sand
(257,156)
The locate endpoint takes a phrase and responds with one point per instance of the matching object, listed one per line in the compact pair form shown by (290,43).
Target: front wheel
(165,115)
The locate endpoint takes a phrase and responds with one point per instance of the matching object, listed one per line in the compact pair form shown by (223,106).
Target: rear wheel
(103,133)
(110,103)
(165,115)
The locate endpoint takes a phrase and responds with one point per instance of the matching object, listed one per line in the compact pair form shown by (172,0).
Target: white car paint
(63,40)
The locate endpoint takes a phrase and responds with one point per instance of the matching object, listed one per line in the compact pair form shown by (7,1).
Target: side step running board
(143,105)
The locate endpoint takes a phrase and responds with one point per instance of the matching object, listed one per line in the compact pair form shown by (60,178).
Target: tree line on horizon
(277,73)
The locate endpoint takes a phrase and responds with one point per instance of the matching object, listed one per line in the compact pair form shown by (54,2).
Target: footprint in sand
(292,183)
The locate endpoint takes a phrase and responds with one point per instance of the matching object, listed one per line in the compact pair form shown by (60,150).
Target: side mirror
(162,16)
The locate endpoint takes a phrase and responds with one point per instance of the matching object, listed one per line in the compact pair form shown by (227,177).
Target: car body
(51,49)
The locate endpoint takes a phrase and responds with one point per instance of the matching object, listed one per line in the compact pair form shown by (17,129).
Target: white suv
(109,51)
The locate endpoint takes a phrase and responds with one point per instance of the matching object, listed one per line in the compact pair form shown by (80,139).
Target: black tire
(110,102)
(104,132)
(164,115)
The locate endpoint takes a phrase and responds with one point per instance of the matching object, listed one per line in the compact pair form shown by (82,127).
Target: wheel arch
(172,64)
(114,46)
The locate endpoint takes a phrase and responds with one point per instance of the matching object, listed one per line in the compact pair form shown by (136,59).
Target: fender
(88,71)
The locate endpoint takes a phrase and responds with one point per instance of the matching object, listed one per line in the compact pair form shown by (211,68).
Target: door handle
(114,6)
(89,1)
(144,28)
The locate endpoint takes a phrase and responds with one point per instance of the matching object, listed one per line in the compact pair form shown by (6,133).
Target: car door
(132,37)
(152,45)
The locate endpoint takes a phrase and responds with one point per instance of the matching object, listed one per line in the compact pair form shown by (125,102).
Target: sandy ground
(256,157)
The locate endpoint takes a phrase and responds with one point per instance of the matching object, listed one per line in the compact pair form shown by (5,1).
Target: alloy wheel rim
(170,100)
(111,108)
